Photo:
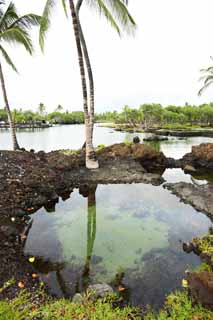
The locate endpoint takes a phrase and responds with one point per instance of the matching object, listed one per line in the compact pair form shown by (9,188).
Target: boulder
(189,168)
(78,299)
(100,290)
(136,139)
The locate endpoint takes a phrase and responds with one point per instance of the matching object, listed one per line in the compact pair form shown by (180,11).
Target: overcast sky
(160,64)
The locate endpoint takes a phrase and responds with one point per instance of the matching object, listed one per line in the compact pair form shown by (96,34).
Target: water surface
(72,137)
(129,235)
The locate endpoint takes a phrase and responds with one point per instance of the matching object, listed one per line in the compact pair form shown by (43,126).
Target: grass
(177,307)
(205,243)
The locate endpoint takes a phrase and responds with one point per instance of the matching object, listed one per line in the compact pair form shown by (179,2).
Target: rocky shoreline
(183,132)
(30,180)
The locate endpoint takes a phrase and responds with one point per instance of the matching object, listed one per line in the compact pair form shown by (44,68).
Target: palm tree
(207,77)
(14,29)
(118,7)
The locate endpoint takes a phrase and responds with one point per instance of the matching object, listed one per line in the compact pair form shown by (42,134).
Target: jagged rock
(200,157)
(201,287)
(200,197)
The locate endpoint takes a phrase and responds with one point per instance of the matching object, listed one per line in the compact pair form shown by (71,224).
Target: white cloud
(160,64)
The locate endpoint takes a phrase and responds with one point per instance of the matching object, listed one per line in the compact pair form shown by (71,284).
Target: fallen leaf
(184,283)
(121,289)
(34,275)
(31,259)
(21,285)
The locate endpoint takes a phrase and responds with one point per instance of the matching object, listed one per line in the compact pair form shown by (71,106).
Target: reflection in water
(127,235)
(89,192)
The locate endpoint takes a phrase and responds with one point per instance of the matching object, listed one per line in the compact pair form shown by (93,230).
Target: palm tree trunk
(10,118)
(91,163)
(89,69)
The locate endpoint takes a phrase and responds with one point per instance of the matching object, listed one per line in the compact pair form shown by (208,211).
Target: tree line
(155,115)
(147,116)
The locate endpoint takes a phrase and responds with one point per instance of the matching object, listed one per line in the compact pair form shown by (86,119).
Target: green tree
(14,29)
(152,114)
(104,6)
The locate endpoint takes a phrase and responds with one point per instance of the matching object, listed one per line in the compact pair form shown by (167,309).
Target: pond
(72,137)
(125,235)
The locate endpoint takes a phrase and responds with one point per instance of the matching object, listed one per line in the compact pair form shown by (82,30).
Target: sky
(160,64)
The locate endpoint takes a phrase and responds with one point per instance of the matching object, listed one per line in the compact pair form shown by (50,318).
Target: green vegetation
(177,307)
(205,244)
(56,117)
(146,116)
(155,115)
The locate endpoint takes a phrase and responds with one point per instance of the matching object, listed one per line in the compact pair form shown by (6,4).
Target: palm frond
(45,22)
(27,21)
(205,87)
(118,10)
(17,36)
(9,16)
(65,7)
(208,78)
(103,9)
(8,59)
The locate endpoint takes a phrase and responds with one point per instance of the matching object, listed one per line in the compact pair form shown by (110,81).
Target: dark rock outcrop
(201,287)
(200,157)
(156,138)
(200,197)
(31,180)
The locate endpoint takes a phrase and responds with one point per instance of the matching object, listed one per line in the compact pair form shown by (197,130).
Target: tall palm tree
(118,7)
(207,77)
(14,29)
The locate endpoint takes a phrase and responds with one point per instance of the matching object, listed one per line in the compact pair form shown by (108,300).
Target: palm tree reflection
(89,192)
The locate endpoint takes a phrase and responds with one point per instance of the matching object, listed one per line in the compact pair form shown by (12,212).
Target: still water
(128,235)
(72,137)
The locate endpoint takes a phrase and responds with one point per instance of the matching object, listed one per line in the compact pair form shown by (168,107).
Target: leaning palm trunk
(89,69)
(10,118)
(91,162)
